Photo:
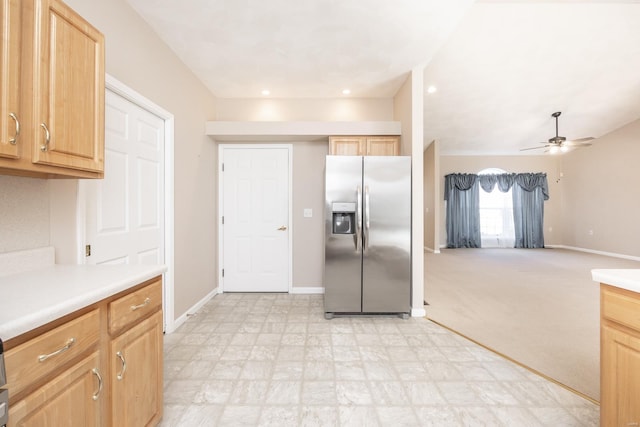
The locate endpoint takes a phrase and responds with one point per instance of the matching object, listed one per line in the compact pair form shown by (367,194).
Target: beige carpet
(536,306)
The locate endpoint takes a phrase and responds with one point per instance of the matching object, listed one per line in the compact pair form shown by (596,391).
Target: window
(496,216)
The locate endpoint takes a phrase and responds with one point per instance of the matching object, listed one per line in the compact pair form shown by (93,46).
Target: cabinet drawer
(622,307)
(134,306)
(44,354)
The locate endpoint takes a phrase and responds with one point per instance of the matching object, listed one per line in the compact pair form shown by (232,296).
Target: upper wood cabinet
(364,145)
(10,78)
(61,94)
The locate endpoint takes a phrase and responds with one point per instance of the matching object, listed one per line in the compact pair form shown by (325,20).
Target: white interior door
(255,208)
(125,210)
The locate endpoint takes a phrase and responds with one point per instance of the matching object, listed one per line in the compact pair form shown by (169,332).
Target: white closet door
(256,220)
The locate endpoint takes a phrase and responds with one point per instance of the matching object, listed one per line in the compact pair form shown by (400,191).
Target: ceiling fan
(560,143)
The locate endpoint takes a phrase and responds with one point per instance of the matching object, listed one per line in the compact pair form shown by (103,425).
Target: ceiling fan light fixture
(554,150)
(564,148)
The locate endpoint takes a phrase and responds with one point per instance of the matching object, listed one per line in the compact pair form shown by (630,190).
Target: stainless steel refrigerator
(367,235)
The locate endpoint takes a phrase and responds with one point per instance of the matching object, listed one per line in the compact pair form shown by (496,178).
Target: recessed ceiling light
(346,91)
(432,89)
(266,92)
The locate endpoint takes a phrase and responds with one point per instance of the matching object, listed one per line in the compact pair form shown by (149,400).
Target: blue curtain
(528,209)
(461,192)
(463,210)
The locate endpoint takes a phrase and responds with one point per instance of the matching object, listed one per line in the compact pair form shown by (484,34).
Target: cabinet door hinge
(87,250)
(223,272)
(222,219)
(223,167)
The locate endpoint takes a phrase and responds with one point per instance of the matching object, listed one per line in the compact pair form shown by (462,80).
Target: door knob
(282,228)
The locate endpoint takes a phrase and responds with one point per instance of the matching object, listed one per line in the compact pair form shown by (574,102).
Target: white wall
(408,109)
(24,213)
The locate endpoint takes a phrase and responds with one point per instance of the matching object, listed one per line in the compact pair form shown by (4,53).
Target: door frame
(221,147)
(168,297)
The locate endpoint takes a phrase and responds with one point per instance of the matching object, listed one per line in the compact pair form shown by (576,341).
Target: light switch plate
(308,213)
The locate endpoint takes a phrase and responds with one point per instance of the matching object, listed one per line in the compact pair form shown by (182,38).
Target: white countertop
(628,279)
(31,299)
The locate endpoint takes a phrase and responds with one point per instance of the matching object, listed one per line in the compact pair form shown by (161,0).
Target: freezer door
(386,267)
(343,249)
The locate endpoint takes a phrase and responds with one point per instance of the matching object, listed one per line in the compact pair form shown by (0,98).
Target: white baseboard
(307,290)
(433,251)
(172,326)
(418,312)
(592,251)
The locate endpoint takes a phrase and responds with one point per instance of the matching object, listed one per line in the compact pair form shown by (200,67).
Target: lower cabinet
(100,366)
(136,374)
(73,398)
(619,358)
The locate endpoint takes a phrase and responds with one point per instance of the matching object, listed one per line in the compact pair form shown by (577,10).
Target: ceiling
(500,67)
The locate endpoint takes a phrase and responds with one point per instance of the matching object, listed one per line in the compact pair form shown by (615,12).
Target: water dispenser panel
(343,218)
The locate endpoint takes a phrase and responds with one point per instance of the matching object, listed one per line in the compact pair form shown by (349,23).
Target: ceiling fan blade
(579,142)
(533,148)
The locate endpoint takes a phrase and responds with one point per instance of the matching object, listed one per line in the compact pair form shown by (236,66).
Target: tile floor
(273,360)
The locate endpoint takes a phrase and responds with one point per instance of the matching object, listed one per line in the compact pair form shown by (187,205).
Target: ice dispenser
(343,217)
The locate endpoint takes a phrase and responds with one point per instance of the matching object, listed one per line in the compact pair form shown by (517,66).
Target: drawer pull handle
(124,365)
(13,140)
(144,304)
(66,347)
(97,374)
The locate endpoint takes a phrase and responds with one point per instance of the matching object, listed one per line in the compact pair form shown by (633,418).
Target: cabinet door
(69,109)
(383,146)
(620,378)
(74,398)
(346,146)
(136,374)
(9,78)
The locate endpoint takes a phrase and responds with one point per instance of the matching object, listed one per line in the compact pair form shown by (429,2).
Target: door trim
(221,147)
(120,89)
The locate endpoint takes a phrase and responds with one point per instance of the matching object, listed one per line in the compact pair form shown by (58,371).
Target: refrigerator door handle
(366,219)
(358,236)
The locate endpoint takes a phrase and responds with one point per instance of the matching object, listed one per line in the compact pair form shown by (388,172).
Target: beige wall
(402,113)
(283,109)
(308,165)
(308,233)
(600,189)
(553,222)
(431,167)
(139,59)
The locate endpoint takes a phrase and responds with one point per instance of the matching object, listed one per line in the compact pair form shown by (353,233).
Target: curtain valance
(527,181)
